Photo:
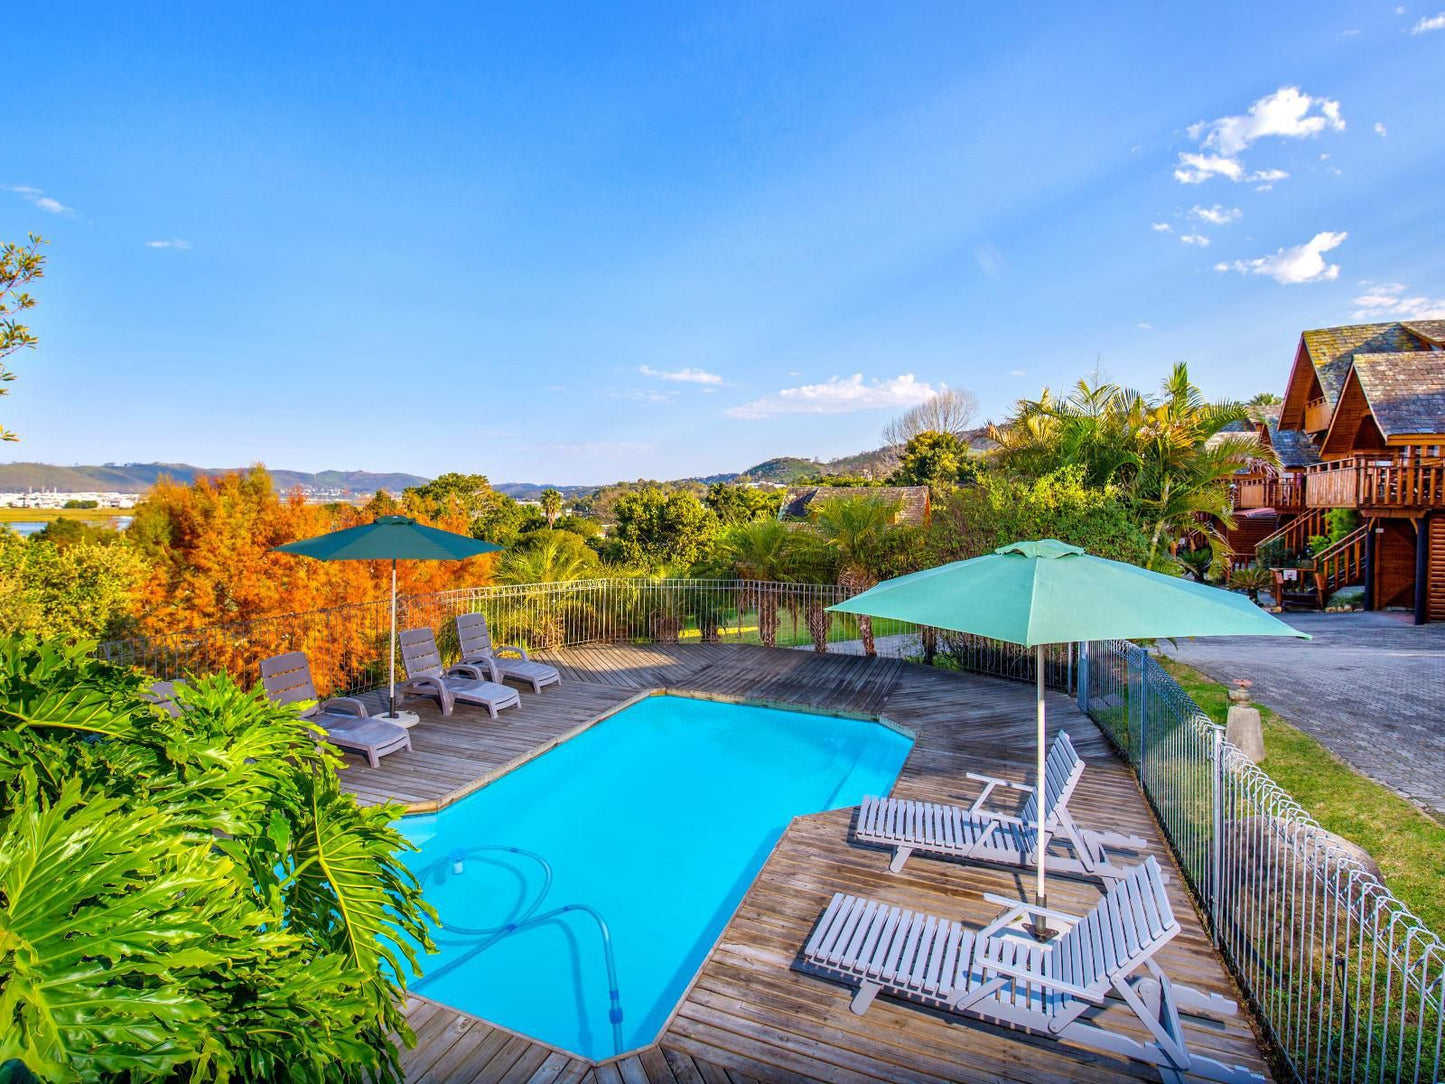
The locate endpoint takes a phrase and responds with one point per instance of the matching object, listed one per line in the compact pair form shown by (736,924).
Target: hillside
(138,477)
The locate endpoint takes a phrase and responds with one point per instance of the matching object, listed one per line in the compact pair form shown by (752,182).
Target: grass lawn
(46,515)
(1408,844)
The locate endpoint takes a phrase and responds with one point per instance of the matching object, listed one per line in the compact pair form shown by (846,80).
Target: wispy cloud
(37,197)
(1217,215)
(1142,326)
(174,242)
(1161,227)
(1288,113)
(838,395)
(1016,372)
(1388,300)
(1195,239)
(643,395)
(683,376)
(1380,129)
(601,447)
(1300,263)
(1433,22)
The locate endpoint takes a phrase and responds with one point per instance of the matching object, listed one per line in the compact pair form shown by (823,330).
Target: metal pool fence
(1346,981)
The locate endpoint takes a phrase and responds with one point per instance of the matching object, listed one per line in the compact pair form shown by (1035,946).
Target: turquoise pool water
(613,862)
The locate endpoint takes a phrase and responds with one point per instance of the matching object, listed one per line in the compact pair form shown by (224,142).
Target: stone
(1243,730)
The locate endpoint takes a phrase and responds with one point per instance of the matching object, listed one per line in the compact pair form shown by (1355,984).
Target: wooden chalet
(913,501)
(1266,498)
(1370,399)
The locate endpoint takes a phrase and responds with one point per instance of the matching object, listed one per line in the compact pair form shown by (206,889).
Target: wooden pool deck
(749,1015)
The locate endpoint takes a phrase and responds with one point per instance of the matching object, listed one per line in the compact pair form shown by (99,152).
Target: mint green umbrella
(1047,592)
(390,538)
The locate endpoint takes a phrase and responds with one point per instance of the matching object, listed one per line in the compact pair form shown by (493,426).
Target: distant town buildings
(55,499)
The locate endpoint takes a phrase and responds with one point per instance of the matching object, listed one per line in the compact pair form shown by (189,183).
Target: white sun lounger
(347,723)
(449,685)
(477,647)
(976,834)
(1002,975)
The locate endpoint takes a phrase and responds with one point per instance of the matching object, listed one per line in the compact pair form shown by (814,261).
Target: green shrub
(212,906)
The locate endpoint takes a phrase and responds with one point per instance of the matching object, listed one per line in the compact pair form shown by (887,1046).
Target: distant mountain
(531,491)
(138,477)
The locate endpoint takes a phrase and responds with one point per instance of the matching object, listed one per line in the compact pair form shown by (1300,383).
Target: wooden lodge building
(1362,426)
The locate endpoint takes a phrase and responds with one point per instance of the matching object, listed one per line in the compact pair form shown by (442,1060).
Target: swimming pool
(579,894)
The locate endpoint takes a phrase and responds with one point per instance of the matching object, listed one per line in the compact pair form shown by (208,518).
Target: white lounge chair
(1002,975)
(976,834)
(348,725)
(466,683)
(477,647)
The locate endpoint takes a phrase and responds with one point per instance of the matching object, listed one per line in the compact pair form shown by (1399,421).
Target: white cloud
(1016,372)
(1434,22)
(643,396)
(1380,129)
(1388,300)
(1288,113)
(1195,239)
(1161,227)
(838,395)
(1217,215)
(1145,327)
(684,376)
(175,242)
(600,447)
(41,200)
(1301,263)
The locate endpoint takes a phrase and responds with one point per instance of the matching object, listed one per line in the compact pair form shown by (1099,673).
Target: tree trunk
(929,636)
(819,622)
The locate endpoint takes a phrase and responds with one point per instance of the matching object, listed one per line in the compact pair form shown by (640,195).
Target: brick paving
(1370,686)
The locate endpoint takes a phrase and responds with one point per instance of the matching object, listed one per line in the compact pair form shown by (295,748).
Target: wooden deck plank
(750,1016)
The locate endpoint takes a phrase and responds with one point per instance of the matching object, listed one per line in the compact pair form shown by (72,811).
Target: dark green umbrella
(1047,592)
(390,538)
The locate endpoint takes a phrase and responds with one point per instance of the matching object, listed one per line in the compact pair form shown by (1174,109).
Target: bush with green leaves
(189,898)
(76,589)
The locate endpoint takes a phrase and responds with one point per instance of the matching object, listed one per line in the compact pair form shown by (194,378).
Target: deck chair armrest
(345,705)
(476,671)
(992,966)
(1020,908)
(990,783)
(522,651)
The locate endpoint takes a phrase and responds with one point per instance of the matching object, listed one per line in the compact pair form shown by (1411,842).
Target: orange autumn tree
(209,547)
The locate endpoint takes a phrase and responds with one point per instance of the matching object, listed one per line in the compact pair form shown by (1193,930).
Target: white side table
(407,719)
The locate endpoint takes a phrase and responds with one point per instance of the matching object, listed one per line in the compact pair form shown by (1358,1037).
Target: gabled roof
(1406,391)
(1294,448)
(1432,331)
(1331,349)
(913,500)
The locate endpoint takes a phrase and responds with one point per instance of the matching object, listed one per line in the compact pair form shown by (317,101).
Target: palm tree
(1170,454)
(861,533)
(548,557)
(551,502)
(758,554)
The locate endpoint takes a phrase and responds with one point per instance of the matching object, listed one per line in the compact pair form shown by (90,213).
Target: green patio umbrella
(1047,592)
(390,538)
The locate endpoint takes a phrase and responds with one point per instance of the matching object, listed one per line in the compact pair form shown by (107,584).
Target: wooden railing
(1375,484)
(1294,536)
(1343,564)
(1280,494)
(1317,415)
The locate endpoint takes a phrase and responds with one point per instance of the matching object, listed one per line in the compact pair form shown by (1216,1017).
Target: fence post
(1081,674)
(1216,848)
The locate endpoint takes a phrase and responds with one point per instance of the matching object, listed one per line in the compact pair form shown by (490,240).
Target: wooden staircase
(1296,534)
(1343,564)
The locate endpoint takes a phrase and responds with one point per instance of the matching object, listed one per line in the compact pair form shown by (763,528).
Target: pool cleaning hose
(485,937)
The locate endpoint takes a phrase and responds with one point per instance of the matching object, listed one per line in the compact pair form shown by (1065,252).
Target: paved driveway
(1370,686)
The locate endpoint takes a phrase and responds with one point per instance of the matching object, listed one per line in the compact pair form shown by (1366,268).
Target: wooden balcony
(1375,485)
(1317,415)
(1283,495)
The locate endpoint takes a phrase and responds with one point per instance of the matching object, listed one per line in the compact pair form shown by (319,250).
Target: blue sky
(577,244)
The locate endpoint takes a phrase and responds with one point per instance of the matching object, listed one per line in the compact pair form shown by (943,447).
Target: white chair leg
(900,855)
(864,997)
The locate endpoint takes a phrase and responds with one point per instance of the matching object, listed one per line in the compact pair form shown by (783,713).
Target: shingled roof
(1406,391)
(913,500)
(1332,349)
(1432,331)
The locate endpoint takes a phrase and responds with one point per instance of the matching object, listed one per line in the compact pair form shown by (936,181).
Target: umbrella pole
(391,658)
(1041,924)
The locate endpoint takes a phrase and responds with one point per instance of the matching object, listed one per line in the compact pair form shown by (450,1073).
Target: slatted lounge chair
(976,834)
(162,694)
(1002,975)
(477,683)
(287,680)
(477,647)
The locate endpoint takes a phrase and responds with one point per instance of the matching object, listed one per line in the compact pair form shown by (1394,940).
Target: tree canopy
(20,265)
